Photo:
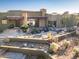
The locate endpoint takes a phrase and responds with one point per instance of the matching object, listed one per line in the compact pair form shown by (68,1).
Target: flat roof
(14,17)
(37,17)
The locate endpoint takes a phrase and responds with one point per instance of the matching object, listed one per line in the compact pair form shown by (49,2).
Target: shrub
(6,40)
(11,26)
(41,57)
(34,31)
(1,31)
(24,27)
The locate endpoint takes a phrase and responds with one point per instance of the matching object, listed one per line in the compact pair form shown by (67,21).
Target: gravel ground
(68,53)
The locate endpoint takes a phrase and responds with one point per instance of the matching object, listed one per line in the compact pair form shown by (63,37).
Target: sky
(58,6)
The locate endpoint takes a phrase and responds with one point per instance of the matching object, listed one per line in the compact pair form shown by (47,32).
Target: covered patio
(40,21)
(15,20)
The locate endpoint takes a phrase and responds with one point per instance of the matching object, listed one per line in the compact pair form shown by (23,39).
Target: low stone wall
(40,40)
(36,40)
(63,36)
(29,51)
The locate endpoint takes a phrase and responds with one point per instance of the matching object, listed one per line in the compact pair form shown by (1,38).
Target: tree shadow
(74,57)
(62,52)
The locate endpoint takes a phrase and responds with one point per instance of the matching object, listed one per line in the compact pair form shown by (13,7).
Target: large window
(52,23)
(4,21)
(31,22)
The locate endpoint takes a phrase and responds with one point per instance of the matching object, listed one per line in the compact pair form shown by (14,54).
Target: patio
(11,33)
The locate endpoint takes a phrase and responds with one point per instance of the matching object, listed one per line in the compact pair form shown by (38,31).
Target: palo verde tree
(68,20)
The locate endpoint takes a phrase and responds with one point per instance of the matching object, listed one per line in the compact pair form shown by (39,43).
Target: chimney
(43,12)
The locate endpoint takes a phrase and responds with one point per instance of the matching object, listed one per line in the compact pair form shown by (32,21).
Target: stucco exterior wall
(11,22)
(0,21)
(56,18)
(24,14)
(3,26)
(40,13)
(42,23)
(33,14)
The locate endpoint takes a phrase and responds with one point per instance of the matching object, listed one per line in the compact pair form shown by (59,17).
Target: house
(35,18)
(54,19)
(18,18)
(39,17)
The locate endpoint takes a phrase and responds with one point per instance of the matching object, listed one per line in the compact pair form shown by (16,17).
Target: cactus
(76,51)
(66,43)
(54,47)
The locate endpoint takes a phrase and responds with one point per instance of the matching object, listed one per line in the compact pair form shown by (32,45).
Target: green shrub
(24,27)
(11,26)
(34,31)
(1,31)
(6,40)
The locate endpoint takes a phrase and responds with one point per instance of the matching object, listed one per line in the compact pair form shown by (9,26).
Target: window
(52,23)
(4,21)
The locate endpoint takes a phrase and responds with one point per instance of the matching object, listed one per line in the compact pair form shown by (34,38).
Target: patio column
(42,23)
(25,17)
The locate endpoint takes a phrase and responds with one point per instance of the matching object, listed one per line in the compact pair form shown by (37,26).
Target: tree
(68,20)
